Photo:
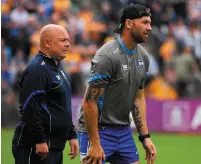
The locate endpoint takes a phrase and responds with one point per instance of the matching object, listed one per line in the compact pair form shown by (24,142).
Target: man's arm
(139,112)
(139,107)
(34,85)
(139,115)
(90,109)
(101,74)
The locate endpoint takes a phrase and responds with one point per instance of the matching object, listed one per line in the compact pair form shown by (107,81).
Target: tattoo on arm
(137,118)
(93,94)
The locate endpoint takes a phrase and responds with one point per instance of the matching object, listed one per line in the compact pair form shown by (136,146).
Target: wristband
(142,137)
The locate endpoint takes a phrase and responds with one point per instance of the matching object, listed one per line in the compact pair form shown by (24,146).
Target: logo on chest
(140,64)
(125,67)
(43,63)
(58,77)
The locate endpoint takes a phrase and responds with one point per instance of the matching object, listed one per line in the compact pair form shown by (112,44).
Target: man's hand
(150,150)
(74,148)
(42,150)
(95,155)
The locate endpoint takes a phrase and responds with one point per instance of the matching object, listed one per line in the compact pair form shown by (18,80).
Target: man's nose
(67,44)
(149,27)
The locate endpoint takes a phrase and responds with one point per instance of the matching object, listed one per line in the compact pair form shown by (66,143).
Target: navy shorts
(117,143)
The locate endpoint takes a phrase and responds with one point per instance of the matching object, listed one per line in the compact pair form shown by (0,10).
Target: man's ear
(47,42)
(128,24)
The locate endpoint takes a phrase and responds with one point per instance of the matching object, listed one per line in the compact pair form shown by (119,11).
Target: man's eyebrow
(145,20)
(64,38)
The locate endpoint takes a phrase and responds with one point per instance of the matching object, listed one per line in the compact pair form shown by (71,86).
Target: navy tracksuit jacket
(45,105)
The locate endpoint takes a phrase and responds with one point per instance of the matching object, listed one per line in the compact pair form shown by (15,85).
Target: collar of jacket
(49,59)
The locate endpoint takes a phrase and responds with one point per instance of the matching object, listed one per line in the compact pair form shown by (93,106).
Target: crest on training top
(140,64)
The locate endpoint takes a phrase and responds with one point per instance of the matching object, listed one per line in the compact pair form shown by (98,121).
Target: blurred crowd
(174,45)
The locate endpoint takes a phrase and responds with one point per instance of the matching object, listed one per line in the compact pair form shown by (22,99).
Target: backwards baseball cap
(132,11)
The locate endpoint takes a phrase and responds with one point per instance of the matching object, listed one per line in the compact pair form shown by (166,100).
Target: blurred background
(173,89)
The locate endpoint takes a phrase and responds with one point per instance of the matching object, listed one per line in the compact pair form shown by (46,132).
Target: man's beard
(136,37)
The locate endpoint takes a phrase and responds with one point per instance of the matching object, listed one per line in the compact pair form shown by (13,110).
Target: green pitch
(171,149)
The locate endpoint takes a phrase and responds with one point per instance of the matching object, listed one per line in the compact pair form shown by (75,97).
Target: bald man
(45,121)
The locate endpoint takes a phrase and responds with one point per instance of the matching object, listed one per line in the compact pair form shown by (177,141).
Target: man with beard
(115,89)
